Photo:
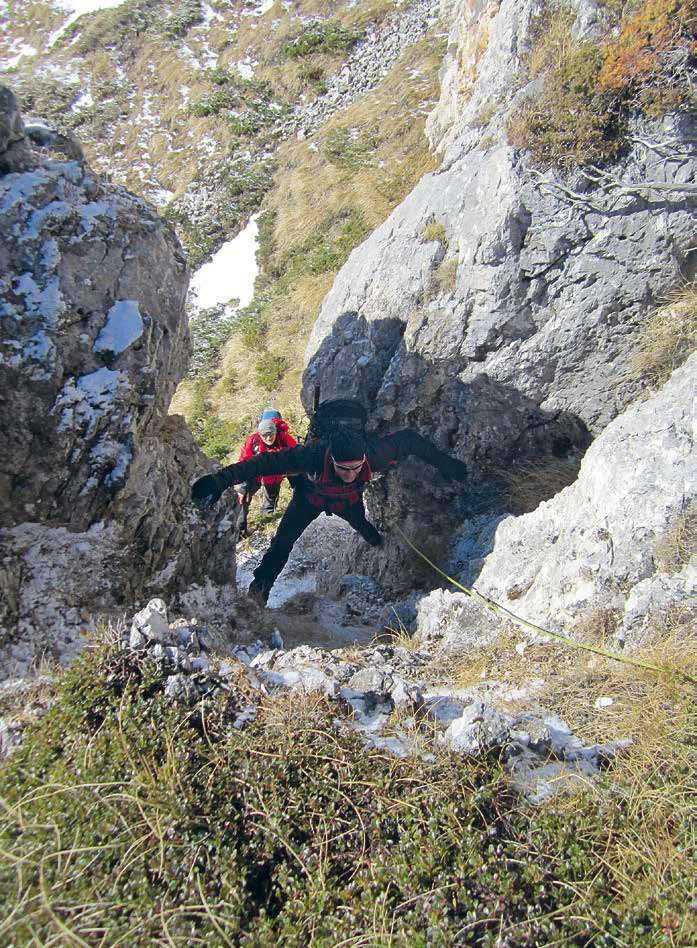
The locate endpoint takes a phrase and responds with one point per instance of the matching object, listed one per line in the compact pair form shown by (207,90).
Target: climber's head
(347,454)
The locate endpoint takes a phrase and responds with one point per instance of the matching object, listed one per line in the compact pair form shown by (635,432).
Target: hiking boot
(259,591)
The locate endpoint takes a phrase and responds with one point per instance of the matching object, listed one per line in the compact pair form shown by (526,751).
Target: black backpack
(337,414)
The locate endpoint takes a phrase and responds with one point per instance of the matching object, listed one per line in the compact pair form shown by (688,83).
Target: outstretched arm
(207,489)
(389,451)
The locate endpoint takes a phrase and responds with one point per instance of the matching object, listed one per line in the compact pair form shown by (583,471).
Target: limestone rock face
(497,309)
(595,546)
(94,342)
(490,283)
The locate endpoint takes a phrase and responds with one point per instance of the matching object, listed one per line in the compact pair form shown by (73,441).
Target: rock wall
(94,342)
(609,543)
(497,309)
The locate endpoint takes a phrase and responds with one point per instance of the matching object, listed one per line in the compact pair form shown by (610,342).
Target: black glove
(452,469)
(207,490)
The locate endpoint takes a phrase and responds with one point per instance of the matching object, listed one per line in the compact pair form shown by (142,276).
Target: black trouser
(268,504)
(297,518)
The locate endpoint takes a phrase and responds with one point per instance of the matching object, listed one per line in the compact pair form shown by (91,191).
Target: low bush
(653,56)
(269,370)
(210,329)
(328,37)
(590,89)
(178,23)
(351,148)
(251,324)
(222,97)
(217,437)
(126,817)
(573,121)
(312,76)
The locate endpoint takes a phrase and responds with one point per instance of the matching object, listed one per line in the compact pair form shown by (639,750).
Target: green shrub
(257,116)
(187,14)
(125,816)
(269,370)
(217,437)
(312,76)
(351,148)
(251,324)
(328,37)
(200,407)
(222,97)
(573,122)
(210,330)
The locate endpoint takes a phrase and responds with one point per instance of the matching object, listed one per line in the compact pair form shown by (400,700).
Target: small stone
(603,702)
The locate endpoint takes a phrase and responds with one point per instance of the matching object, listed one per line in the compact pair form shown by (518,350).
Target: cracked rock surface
(94,474)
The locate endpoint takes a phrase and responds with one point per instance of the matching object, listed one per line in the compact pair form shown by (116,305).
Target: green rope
(497,608)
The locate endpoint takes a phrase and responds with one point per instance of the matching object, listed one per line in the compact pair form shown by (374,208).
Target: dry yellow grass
(310,188)
(535,481)
(668,338)
(679,545)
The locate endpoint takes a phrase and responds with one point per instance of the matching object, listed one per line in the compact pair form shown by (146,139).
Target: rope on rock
(501,610)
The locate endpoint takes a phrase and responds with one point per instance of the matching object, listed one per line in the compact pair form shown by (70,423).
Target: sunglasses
(349,465)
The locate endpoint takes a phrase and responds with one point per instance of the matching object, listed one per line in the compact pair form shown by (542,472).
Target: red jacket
(254,445)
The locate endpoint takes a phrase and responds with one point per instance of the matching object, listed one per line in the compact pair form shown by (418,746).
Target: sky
(230,274)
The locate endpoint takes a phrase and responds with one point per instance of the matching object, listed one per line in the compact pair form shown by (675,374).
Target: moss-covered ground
(126,819)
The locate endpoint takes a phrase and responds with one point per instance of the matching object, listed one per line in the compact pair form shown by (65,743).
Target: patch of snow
(95,209)
(83,101)
(25,50)
(76,9)
(246,67)
(85,400)
(230,274)
(42,350)
(603,703)
(45,302)
(123,327)
(160,196)
(262,7)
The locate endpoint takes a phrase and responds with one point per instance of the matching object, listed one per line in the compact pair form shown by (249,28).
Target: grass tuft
(533,482)
(668,338)
(678,546)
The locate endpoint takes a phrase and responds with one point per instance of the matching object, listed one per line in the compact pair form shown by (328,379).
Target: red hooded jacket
(255,445)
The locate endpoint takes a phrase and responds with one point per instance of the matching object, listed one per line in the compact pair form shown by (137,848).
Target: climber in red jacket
(271,435)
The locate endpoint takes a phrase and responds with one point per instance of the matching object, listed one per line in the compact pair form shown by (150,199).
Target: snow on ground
(262,7)
(230,274)
(76,9)
(24,50)
(122,328)
(245,67)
